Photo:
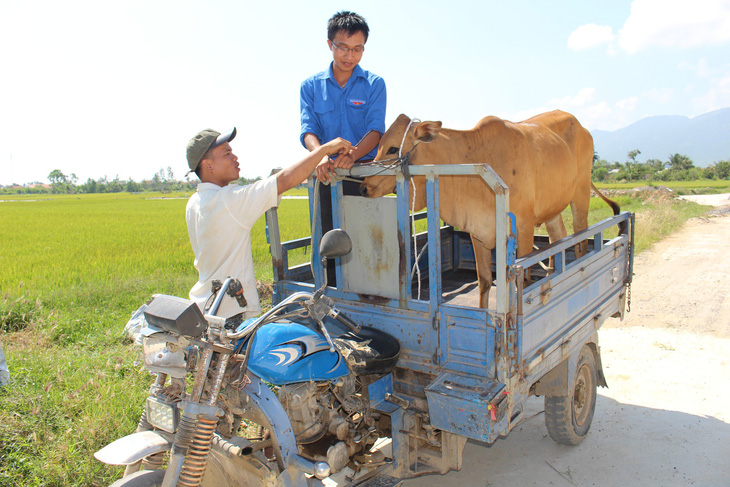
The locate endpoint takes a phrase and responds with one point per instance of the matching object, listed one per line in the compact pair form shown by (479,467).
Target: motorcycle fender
(132,448)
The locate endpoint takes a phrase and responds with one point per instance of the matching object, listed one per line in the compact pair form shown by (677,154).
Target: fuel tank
(286,353)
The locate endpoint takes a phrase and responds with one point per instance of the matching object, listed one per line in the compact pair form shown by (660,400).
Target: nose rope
(402,160)
(405,134)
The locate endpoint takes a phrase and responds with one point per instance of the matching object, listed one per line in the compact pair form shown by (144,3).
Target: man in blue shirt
(345,100)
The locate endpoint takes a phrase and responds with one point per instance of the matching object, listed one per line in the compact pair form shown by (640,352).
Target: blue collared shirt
(329,111)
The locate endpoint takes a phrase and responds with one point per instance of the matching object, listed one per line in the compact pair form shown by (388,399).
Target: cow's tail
(614,206)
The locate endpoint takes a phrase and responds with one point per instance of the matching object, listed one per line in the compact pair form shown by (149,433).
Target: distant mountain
(704,139)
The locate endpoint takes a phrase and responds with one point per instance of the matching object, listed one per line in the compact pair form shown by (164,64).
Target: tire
(143,478)
(568,418)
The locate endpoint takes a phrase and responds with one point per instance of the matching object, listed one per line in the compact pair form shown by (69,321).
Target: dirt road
(665,418)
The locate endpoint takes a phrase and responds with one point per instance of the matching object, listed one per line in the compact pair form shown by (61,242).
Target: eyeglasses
(345,50)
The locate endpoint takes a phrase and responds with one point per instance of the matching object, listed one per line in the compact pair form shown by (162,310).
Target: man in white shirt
(220,215)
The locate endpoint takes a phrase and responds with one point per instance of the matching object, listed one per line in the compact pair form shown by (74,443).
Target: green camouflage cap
(205,140)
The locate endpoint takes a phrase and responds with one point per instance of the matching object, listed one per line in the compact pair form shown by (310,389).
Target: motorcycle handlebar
(300,296)
(336,314)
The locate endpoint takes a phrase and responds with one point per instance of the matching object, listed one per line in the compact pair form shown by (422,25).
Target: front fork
(189,453)
(156,460)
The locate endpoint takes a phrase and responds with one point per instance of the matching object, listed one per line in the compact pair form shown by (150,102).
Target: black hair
(349,22)
(199,169)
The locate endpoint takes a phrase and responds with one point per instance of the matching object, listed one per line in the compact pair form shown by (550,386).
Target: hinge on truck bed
(545,295)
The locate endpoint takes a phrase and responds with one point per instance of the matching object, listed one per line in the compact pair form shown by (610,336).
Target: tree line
(678,167)
(163,181)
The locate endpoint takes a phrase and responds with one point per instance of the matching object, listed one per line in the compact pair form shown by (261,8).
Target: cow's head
(392,144)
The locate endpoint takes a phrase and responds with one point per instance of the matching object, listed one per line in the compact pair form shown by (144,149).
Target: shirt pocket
(324,106)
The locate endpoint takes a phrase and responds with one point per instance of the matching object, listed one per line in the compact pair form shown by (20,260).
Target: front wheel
(568,418)
(143,478)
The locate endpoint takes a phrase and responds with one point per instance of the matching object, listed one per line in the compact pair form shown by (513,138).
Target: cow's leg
(579,207)
(556,230)
(525,239)
(483,258)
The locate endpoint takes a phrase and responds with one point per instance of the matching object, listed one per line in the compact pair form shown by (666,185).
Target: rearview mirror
(335,243)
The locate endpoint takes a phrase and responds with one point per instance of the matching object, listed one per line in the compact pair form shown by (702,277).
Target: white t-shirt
(219,225)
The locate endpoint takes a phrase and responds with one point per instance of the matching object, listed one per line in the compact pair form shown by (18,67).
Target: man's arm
(311,129)
(298,172)
(311,141)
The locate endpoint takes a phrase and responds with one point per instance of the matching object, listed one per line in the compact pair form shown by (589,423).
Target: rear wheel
(143,478)
(568,418)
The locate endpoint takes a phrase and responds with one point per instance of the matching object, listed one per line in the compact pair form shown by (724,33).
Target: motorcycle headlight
(162,415)
(161,355)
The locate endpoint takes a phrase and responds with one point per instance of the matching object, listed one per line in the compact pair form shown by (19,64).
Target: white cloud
(589,36)
(524,114)
(590,113)
(628,104)
(659,96)
(596,116)
(583,98)
(575,104)
(716,97)
(700,68)
(675,24)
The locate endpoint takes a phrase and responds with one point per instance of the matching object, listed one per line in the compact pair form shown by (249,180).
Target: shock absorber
(189,455)
(196,460)
(197,457)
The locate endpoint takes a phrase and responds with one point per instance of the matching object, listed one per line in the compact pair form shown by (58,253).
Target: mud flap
(555,382)
(132,448)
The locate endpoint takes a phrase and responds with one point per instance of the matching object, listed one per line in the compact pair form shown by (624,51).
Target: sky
(116,89)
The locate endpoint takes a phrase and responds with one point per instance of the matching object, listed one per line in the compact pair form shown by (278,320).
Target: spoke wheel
(143,478)
(568,418)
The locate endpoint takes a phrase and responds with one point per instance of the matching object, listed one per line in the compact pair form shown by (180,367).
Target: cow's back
(542,160)
(562,161)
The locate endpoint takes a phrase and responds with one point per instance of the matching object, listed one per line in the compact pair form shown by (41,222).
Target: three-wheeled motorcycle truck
(396,347)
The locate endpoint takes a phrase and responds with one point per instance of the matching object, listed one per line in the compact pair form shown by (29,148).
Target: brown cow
(545,161)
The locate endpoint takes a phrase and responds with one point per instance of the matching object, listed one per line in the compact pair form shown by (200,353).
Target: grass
(74,268)
(704,186)
(656,217)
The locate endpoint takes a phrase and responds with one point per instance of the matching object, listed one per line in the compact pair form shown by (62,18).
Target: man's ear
(427,131)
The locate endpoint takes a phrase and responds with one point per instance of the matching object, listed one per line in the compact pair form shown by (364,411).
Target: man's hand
(345,161)
(323,169)
(318,161)
(340,147)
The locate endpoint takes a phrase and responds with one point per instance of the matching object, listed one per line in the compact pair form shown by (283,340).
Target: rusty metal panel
(466,406)
(470,341)
(372,267)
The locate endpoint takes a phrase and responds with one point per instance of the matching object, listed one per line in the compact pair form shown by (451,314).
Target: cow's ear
(427,131)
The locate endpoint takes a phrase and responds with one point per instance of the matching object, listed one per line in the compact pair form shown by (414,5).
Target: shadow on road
(628,445)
